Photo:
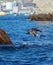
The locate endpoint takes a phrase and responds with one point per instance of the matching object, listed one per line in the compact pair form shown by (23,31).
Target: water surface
(28,50)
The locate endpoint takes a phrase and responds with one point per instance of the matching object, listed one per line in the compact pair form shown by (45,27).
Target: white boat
(2,13)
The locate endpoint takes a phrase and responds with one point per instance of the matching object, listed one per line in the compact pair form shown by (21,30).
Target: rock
(41,17)
(34,31)
(4,39)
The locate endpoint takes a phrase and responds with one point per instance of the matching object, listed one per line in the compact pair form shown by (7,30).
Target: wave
(25,45)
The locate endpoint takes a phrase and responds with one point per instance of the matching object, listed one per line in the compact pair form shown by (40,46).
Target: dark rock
(41,17)
(4,39)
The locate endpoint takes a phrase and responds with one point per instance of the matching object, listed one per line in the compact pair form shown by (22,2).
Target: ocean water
(27,50)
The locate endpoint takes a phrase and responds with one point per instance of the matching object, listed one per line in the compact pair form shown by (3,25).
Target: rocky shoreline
(41,17)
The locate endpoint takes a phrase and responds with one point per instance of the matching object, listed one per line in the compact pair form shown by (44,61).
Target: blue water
(28,50)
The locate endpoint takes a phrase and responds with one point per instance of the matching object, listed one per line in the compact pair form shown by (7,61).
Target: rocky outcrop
(4,39)
(41,17)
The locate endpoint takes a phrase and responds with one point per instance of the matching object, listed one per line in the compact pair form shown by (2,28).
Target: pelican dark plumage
(34,31)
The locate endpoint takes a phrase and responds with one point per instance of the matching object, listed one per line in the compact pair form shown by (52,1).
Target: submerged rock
(4,39)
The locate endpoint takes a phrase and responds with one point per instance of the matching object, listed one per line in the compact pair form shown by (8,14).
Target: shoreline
(41,17)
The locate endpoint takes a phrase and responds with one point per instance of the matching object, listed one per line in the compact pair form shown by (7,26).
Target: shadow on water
(26,46)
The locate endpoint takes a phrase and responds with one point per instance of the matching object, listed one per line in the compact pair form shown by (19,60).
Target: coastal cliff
(43,6)
(43,10)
